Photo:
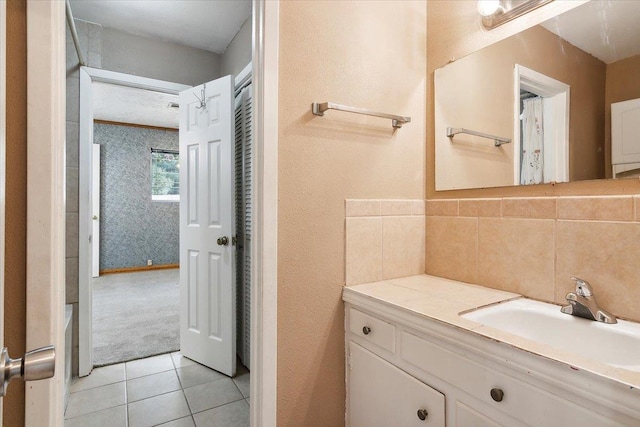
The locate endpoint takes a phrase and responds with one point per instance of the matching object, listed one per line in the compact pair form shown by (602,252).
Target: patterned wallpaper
(133,229)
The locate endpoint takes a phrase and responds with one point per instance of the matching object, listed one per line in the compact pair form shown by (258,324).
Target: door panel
(95,217)
(207,318)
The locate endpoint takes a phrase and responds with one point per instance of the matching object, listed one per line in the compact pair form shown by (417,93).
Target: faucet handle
(583,288)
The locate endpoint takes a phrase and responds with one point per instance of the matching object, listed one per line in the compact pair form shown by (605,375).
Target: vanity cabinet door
(381,395)
(468,417)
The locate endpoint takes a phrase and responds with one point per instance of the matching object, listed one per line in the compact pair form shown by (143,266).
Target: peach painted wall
(623,84)
(367,54)
(454,31)
(476,92)
(532,246)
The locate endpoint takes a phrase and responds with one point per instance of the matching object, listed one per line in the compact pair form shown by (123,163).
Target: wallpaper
(133,229)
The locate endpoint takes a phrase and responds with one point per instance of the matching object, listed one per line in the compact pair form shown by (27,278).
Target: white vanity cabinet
(397,367)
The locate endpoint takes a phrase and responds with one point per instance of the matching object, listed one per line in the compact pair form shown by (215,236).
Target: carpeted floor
(135,315)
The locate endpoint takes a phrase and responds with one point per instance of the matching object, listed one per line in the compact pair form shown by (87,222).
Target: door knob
(95,217)
(223,241)
(36,364)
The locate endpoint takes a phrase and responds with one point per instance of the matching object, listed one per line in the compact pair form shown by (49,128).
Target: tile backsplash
(532,246)
(384,239)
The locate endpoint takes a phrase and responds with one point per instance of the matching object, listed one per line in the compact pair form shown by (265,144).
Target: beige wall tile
(442,207)
(418,207)
(480,207)
(599,208)
(397,207)
(517,255)
(540,207)
(363,250)
(354,207)
(606,254)
(637,208)
(402,246)
(451,248)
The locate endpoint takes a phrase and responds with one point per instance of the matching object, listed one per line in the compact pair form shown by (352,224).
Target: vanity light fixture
(497,12)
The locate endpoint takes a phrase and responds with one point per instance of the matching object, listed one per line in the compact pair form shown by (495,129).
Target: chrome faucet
(583,303)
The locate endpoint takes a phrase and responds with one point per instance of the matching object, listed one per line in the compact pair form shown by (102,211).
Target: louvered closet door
(244,181)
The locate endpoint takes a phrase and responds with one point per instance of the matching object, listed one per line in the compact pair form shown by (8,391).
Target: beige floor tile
(212,394)
(99,377)
(96,399)
(180,361)
(148,366)
(112,417)
(234,414)
(152,385)
(182,422)
(197,374)
(157,410)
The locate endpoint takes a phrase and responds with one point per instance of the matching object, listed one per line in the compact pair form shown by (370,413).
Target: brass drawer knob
(422,414)
(366,330)
(497,394)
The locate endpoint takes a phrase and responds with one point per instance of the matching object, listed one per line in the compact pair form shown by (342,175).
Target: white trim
(87,77)
(264,286)
(3,158)
(44,400)
(560,95)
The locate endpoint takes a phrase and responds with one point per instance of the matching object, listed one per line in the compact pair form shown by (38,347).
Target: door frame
(85,208)
(46,127)
(46,114)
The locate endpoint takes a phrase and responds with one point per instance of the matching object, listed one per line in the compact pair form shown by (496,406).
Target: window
(165,176)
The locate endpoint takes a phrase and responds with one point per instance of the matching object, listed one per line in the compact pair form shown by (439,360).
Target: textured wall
(238,53)
(367,59)
(133,229)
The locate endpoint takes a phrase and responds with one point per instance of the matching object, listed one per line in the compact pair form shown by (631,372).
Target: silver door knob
(223,241)
(36,364)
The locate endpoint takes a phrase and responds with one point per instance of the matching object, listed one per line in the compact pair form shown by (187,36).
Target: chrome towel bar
(318,108)
(497,141)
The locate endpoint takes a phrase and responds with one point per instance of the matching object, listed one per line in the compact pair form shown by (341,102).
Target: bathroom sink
(617,345)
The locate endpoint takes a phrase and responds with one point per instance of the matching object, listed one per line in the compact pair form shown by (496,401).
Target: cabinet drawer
(381,395)
(512,396)
(372,329)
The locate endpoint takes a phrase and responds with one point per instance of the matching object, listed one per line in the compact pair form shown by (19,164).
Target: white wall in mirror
(480,92)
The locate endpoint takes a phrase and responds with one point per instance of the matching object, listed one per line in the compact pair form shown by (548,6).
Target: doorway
(46,124)
(542,155)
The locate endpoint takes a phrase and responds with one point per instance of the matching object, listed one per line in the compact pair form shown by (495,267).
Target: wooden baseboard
(139,268)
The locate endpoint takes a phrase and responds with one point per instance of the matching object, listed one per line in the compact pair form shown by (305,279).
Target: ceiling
(608,30)
(204,24)
(125,104)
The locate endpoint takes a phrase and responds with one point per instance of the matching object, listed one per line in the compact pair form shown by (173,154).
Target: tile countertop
(443,300)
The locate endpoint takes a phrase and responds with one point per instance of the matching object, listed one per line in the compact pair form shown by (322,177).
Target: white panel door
(207,288)
(625,132)
(95,215)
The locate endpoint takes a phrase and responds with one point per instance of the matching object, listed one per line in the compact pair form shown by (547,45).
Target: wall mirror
(557,102)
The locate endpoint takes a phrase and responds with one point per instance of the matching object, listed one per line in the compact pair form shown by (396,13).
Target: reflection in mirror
(566,92)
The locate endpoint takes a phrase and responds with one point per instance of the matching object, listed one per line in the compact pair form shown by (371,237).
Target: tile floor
(165,390)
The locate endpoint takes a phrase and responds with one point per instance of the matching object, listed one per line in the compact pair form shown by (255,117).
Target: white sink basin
(617,345)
